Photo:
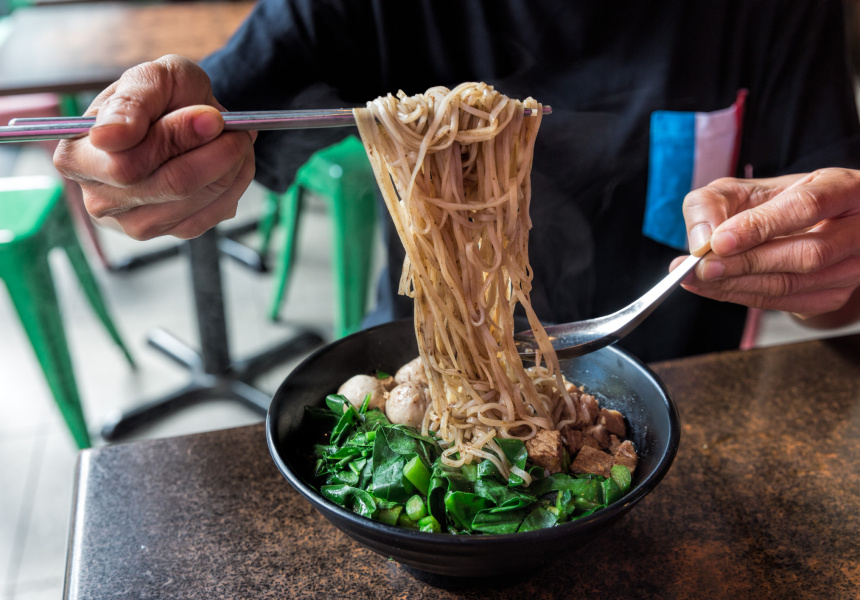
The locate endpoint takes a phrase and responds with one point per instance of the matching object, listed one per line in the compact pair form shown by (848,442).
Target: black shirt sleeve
(802,112)
(293,55)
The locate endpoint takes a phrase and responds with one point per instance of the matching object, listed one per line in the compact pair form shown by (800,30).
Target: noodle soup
(368,459)
(614,377)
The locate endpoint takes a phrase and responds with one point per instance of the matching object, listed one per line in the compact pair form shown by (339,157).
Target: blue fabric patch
(670,176)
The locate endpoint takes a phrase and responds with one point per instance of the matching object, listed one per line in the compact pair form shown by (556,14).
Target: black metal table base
(214,376)
(234,385)
(228,245)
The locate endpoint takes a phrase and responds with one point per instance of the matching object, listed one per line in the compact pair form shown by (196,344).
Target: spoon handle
(637,311)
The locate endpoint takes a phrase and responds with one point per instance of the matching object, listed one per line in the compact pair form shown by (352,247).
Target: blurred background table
(763,501)
(86,46)
(83,47)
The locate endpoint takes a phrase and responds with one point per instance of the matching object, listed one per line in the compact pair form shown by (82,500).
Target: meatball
(411,371)
(407,404)
(356,388)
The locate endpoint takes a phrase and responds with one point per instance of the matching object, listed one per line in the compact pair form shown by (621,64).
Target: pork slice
(592,460)
(626,455)
(600,434)
(589,408)
(572,438)
(545,449)
(613,421)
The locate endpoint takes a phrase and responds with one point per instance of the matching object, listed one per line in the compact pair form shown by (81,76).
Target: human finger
(222,209)
(170,136)
(153,220)
(176,179)
(819,247)
(705,208)
(168,102)
(783,291)
(141,95)
(808,304)
(820,195)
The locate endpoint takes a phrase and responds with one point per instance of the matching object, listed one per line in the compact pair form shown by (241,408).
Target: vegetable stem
(418,475)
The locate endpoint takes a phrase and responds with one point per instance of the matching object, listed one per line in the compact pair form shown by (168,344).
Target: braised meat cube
(626,455)
(545,450)
(589,408)
(600,435)
(613,421)
(572,438)
(591,460)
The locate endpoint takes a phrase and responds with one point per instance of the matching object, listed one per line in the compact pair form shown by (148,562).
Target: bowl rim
(611,512)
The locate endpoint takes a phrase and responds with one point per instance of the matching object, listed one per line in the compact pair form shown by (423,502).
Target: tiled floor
(37,454)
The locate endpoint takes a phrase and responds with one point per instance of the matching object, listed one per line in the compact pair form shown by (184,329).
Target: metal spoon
(582,337)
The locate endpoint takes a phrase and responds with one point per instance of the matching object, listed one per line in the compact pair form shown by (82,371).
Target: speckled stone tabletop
(763,501)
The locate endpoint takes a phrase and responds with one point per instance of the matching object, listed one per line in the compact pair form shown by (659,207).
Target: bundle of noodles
(454,169)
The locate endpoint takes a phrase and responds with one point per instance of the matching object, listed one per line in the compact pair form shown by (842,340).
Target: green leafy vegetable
(417,474)
(621,476)
(416,508)
(395,475)
(429,524)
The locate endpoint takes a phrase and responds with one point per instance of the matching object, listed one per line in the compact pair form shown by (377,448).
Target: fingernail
(700,235)
(207,125)
(712,270)
(724,242)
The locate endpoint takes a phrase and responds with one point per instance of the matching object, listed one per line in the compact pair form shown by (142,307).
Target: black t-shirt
(605,67)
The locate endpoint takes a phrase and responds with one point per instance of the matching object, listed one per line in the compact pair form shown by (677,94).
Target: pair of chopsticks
(60,128)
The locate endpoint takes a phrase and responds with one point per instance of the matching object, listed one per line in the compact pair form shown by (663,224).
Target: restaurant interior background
(37,454)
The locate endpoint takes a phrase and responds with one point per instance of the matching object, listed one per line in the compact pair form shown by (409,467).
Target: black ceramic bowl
(618,380)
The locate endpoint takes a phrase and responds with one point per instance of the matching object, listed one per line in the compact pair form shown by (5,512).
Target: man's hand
(789,243)
(157,160)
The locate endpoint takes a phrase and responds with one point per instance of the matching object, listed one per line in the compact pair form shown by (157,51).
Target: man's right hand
(158,161)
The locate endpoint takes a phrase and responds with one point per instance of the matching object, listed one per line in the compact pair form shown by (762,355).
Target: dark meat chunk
(626,455)
(590,409)
(572,438)
(600,434)
(591,460)
(545,450)
(590,441)
(613,421)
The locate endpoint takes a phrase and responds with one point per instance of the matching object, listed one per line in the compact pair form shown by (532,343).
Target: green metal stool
(342,176)
(33,221)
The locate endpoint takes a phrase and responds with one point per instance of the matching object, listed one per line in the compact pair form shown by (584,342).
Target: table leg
(227,244)
(213,374)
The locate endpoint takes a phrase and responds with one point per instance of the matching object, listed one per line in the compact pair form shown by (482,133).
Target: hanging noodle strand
(454,170)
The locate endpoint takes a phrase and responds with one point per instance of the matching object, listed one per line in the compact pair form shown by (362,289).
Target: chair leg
(268,221)
(79,263)
(289,210)
(354,217)
(35,299)
(75,202)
